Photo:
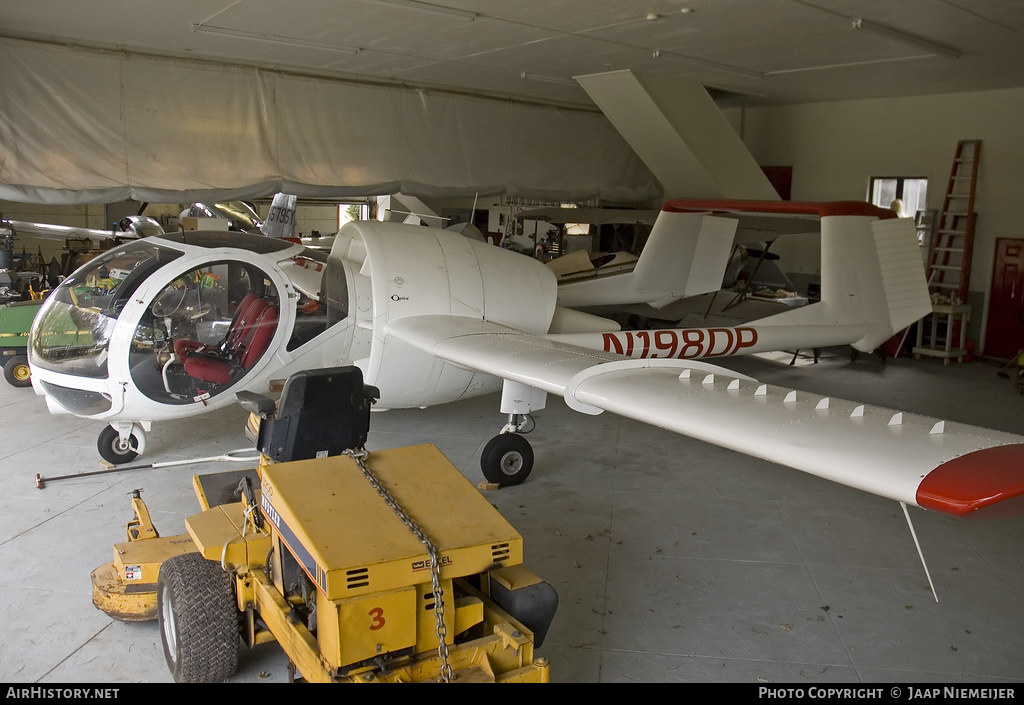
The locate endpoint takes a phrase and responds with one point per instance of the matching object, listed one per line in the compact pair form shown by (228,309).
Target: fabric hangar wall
(91,126)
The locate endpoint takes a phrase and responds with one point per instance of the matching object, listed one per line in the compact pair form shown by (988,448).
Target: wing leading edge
(949,467)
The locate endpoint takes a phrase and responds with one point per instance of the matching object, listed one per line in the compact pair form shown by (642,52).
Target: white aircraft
(129,228)
(169,327)
(240,217)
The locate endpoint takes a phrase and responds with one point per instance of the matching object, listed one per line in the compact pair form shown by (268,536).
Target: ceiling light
(426,7)
(271,39)
(906,37)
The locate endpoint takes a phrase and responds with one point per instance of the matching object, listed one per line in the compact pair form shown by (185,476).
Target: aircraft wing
(949,467)
(590,216)
(45,231)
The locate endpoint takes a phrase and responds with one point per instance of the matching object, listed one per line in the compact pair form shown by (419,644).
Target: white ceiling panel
(762,51)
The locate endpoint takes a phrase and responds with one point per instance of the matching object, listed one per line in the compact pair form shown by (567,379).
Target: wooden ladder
(949,259)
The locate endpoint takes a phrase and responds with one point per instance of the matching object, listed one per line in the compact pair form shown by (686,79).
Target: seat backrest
(248,310)
(240,309)
(254,335)
(258,337)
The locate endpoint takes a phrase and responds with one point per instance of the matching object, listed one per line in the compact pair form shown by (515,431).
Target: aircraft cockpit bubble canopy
(74,326)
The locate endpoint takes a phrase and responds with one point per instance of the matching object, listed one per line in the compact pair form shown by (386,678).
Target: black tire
(113,451)
(507,459)
(16,371)
(198,617)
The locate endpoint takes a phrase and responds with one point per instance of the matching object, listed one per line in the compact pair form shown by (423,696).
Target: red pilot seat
(247,339)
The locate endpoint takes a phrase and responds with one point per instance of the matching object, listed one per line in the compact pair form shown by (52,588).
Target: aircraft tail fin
(685,255)
(280,222)
(872,278)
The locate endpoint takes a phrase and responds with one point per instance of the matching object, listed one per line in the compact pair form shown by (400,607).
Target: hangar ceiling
(747,52)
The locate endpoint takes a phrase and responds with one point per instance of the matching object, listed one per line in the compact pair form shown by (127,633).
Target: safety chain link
(360,455)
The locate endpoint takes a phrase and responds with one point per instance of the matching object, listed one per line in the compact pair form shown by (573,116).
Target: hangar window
(356,210)
(909,194)
(910,191)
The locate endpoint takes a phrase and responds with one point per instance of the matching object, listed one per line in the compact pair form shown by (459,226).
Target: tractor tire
(198,616)
(16,371)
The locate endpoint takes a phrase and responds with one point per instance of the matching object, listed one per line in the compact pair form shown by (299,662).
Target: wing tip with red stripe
(987,483)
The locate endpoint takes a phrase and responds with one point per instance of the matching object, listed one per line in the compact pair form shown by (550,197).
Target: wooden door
(1004,334)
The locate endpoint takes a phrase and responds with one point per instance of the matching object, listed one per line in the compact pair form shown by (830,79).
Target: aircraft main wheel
(198,619)
(114,450)
(507,459)
(16,371)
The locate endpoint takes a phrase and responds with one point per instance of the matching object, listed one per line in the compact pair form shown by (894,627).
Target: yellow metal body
(374,598)
(373,575)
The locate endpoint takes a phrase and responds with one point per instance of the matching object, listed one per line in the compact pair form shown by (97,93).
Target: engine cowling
(429,271)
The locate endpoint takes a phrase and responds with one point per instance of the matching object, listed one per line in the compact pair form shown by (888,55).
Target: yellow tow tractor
(365,567)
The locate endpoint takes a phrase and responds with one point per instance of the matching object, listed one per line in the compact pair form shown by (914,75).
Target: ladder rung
(943,285)
(949,249)
(947,267)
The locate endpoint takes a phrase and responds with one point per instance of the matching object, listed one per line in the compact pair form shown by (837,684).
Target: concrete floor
(675,561)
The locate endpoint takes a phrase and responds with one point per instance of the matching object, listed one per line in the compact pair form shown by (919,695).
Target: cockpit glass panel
(203,332)
(73,327)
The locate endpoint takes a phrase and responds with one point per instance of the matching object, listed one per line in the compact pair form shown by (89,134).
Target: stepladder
(949,256)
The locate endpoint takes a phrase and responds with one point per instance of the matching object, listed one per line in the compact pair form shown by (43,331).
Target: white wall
(834,149)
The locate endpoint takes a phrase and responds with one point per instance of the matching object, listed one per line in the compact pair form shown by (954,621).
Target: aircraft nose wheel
(507,459)
(117,451)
